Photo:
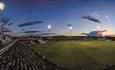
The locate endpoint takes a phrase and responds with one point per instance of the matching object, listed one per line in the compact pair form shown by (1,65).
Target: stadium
(48,35)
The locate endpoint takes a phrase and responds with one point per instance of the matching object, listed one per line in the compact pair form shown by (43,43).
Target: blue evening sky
(59,13)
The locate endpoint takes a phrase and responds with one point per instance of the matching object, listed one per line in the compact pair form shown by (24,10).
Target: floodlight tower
(70,28)
(98,27)
(2,6)
(49,28)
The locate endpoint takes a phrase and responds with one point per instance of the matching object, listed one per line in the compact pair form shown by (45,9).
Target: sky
(59,13)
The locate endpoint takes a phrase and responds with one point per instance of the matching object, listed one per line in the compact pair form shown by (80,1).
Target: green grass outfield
(78,55)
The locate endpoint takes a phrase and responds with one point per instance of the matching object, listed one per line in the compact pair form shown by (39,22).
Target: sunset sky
(59,13)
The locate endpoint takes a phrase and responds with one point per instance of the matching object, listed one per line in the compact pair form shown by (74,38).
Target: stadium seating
(19,56)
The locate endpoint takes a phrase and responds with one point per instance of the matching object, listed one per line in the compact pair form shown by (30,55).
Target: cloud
(109,32)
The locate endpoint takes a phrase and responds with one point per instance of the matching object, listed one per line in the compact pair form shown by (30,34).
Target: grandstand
(19,56)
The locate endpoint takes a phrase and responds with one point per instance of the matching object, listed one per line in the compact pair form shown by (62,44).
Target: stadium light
(2,6)
(98,27)
(70,27)
(49,28)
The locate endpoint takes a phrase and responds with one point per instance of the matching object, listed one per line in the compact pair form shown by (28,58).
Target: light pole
(70,29)
(2,5)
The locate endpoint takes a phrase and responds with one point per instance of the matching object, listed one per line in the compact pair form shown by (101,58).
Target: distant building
(96,33)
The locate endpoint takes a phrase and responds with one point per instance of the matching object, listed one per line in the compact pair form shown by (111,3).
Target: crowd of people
(22,57)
